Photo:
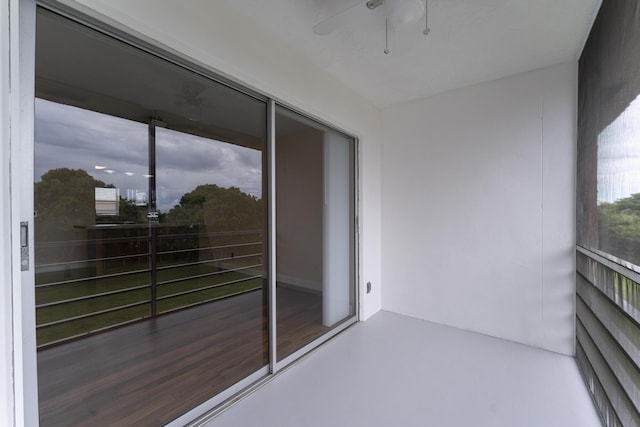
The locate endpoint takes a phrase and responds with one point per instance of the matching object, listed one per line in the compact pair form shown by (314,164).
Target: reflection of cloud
(114,150)
(79,139)
(186,161)
(619,156)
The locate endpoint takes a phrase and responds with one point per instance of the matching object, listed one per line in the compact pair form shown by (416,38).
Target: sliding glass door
(92,254)
(155,283)
(150,230)
(315,282)
(210,243)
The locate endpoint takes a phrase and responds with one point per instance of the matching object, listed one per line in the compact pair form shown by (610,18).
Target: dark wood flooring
(151,372)
(298,320)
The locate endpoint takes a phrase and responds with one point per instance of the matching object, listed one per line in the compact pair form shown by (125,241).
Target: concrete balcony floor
(398,371)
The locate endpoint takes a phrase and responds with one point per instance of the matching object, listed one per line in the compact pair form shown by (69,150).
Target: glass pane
(619,185)
(210,233)
(314,223)
(91,253)
(150,224)
(608,184)
(608,213)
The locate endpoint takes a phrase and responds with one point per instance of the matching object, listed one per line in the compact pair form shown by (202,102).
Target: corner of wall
(478,208)
(371,222)
(559,188)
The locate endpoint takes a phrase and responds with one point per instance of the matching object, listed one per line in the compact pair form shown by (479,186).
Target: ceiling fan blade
(340,19)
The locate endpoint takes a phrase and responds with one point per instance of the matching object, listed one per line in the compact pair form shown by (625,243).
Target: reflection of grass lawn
(82,289)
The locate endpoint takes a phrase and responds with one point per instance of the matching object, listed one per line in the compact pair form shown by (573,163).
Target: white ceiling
(471,41)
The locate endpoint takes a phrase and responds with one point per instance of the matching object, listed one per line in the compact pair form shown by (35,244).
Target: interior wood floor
(151,372)
(298,320)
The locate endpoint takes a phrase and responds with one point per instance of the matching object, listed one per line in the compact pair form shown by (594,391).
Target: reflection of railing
(113,284)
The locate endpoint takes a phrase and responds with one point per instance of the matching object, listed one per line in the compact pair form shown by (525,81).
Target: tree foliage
(65,208)
(64,201)
(619,228)
(218,209)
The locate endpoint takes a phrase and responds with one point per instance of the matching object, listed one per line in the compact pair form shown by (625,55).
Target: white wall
(216,34)
(478,208)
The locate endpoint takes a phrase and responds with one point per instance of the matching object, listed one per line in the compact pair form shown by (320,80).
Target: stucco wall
(478,208)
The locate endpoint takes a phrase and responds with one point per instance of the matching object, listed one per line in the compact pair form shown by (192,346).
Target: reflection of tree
(219,209)
(64,199)
(619,228)
(66,217)
(64,202)
(209,211)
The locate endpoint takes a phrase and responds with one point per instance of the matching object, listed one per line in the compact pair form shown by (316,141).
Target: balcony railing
(108,280)
(608,334)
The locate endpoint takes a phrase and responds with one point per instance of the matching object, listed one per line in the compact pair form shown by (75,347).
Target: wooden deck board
(149,373)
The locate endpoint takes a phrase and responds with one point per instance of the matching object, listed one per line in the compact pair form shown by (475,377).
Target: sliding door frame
(24,313)
(21,101)
(271,219)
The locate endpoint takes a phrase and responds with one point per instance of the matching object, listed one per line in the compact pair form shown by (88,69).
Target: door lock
(24,246)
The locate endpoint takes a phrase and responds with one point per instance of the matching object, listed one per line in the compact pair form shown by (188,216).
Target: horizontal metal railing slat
(621,364)
(92,296)
(92,278)
(204,288)
(110,280)
(207,261)
(206,248)
(205,301)
(92,314)
(622,327)
(620,402)
(608,334)
(622,290)
(92,260)
(202,276)
(605,408)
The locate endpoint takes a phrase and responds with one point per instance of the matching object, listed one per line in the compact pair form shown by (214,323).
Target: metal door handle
(24,245)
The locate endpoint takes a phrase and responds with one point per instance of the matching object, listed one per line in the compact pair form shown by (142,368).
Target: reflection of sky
(619,156)
(114,150)
(186,161)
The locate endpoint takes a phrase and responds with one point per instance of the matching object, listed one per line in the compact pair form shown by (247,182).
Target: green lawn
(240,282)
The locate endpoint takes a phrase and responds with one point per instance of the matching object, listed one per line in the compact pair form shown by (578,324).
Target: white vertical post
(336,272)
(6,310)
(19,148)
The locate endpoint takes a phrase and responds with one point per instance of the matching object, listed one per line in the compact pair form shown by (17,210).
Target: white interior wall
(478,208)
(219,36)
